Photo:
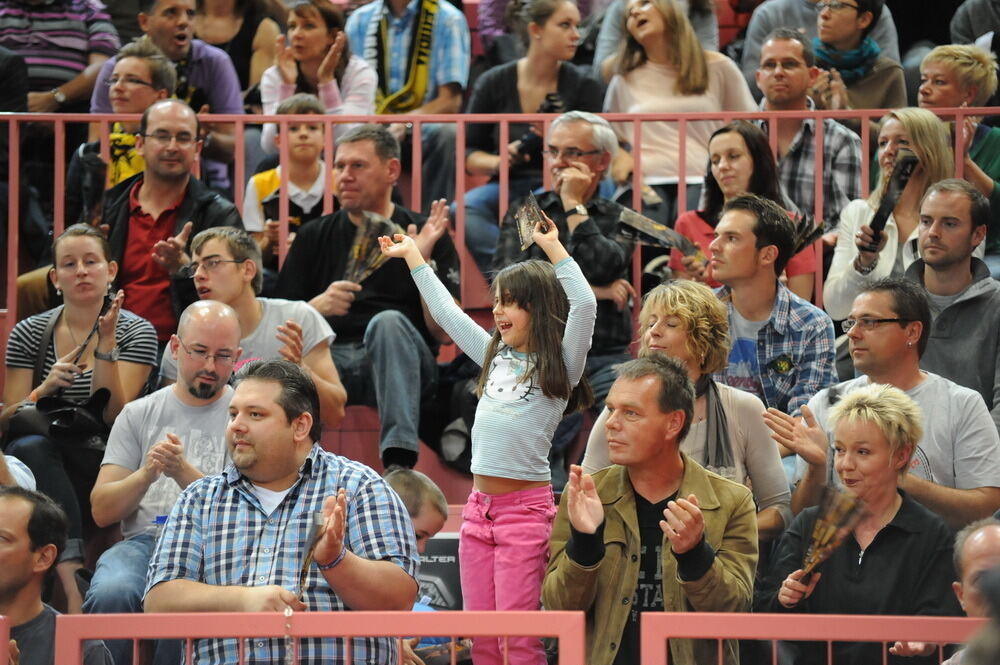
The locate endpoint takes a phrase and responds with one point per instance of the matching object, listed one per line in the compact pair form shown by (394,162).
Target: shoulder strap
(43,347)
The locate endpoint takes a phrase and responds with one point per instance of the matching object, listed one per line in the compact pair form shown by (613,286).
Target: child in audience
(306,177)
(532,369)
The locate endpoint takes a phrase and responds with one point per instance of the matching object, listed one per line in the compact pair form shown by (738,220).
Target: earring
(58,292)
(909,344)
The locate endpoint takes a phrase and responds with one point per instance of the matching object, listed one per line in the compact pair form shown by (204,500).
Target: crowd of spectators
(213,363)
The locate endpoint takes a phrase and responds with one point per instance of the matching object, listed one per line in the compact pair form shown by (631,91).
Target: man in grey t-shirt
(157,447)
(956,467)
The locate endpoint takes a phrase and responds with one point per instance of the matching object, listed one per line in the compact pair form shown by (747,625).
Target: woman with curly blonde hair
(686,320)
(855,262)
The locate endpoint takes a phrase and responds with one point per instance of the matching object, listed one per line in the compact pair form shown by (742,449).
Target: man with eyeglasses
(578,153)
(152,215)
(800,15)
(786,72)
(228,268)
(955,470)
(158,446)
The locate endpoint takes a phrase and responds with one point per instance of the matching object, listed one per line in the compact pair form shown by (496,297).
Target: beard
(205,390)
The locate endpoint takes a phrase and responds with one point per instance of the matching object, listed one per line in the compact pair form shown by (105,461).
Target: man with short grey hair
(578,152)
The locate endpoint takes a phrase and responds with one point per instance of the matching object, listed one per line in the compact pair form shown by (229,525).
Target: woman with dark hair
(662,68)
(75,364)
(245,30)
(740,162)
(541,81)
(316,59)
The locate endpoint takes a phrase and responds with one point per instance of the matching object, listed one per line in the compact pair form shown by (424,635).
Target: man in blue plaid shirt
(782,346)
(235,541)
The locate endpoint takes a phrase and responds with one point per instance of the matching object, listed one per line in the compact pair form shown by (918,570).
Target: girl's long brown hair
(532,285)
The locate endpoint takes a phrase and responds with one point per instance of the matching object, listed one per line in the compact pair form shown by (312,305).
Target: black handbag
(65,421)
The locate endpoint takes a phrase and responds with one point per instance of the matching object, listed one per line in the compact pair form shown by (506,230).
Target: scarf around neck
(718,450)
(853,64)
(376,53)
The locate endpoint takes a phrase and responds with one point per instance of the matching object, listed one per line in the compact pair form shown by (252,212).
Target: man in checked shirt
(235,542)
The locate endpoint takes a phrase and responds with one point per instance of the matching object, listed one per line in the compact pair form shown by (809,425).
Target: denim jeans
(117,588)
(437,145)
(993,262)
(502,549)
(390,371)
(482,218)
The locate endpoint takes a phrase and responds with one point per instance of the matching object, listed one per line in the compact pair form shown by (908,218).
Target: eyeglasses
(129,81)
(201,355)
(835,5)
(868,324)
(208,264)
(570,153)
(184,139)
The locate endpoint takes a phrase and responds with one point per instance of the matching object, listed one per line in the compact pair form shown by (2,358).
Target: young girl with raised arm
(532,369)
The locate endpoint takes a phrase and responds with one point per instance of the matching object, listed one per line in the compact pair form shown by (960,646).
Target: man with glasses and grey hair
(956,467)
(578,153)
(158,446)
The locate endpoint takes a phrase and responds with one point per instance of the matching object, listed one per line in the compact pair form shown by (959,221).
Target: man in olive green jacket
(654,531)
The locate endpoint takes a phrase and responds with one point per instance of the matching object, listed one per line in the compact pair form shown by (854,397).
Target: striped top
(515,420)
(135,337)
(57,38)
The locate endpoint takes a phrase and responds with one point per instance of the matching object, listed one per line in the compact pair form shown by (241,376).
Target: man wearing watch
(245,541)
(578,151)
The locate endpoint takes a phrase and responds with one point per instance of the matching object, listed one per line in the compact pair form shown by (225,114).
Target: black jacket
(201,206)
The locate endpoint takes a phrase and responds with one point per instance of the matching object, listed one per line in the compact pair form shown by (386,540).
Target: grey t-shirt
(961,446)
(145,422)
(36,640)
(262,343)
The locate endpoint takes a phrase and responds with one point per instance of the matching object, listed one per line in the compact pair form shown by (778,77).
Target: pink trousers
(502,549)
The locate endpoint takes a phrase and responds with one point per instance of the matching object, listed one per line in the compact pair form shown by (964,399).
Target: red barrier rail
(474,294)
(659,628)
(72,630)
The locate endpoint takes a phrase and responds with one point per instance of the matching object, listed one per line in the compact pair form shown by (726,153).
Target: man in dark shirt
(654,531)
(158,211)
(579,149)
(386,341)
(33,530)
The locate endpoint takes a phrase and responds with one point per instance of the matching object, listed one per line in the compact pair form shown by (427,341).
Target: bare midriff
(497,485)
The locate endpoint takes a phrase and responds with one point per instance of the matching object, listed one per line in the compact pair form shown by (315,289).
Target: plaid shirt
(218,534)
(841,168)
(795,351)
(602,257)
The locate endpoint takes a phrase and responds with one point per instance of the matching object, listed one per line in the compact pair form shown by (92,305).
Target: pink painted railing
(659,628)
(474,294)
(72,630)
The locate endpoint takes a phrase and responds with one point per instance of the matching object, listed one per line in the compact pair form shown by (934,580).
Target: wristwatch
(60,97)
(578,210)
(110,357)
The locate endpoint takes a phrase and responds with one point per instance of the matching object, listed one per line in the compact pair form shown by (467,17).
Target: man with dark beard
(157,447)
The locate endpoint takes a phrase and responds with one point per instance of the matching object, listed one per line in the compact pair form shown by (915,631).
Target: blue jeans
(390,371)
(993,262)
(437,145)
(482,218)
(117,588)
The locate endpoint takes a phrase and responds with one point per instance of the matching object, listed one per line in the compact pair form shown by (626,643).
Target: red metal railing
(72,630)
(659,628)
(474,294)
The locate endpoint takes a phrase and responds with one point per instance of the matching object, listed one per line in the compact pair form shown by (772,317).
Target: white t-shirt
(743,371)
(960,447)
(262,343)
(145,422)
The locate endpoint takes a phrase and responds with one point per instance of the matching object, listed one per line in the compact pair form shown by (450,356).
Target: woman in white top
(662,68)
(317,60)
(854,266)
(685,320)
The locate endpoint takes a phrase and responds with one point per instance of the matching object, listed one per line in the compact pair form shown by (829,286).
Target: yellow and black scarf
(412,94)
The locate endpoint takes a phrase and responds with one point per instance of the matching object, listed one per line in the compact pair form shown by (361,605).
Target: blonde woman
(854,265)
(685,320)
(896,561)
(662,68)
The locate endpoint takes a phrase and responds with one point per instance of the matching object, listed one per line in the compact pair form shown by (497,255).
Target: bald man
(158,446)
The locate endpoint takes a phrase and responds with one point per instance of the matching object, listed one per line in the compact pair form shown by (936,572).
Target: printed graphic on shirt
(506,379)
(743,372)
(204,450)
(649,590)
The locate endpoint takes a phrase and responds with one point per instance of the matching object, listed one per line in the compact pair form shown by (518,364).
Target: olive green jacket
(605,591)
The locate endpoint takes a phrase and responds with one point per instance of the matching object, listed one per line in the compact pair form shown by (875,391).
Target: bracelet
(864,270)
(336,561)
